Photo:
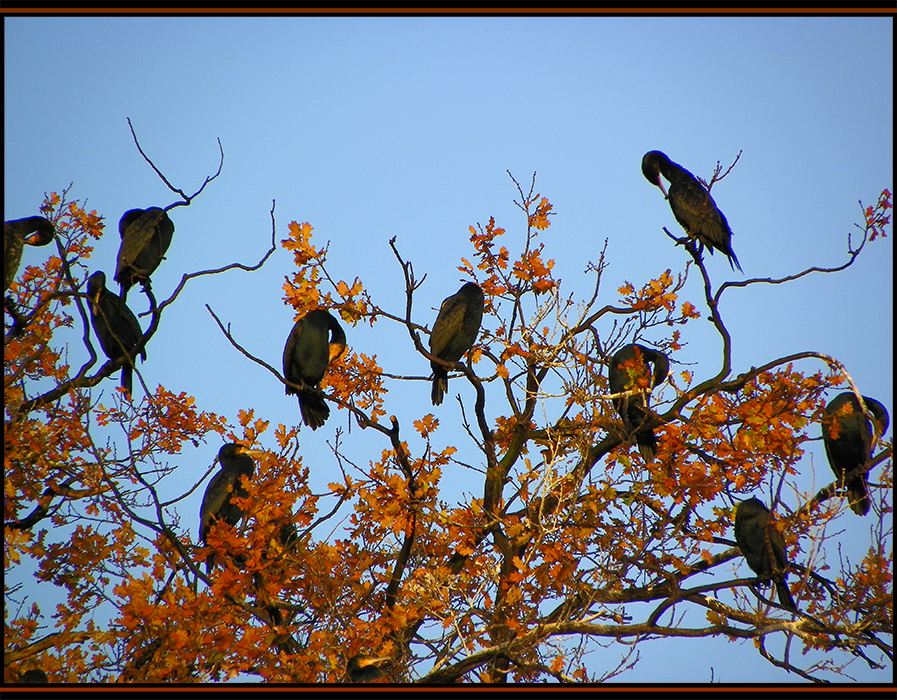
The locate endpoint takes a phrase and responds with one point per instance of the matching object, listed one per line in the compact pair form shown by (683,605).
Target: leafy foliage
(573,540)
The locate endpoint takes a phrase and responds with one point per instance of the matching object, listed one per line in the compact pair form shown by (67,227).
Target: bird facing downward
(33,230)
(316,340)
(763,546)
(692,205)
(629,369)
(454,332)
(115,325)
(847,435)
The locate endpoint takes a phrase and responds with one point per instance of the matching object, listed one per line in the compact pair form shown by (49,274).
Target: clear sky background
(374,127)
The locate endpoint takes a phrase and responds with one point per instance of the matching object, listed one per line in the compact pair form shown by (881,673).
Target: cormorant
(316,340)
(763,546)
(454,332)
(851,448)
(145,236)
(34,675)
(363,667)
(33,230)
(115,325)
(627,367)
(236,461)
(692,205)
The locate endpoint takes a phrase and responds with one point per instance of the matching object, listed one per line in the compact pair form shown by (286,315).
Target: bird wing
(123,322)
(290,347)
(777,544)
(136,238)
(448,323)
(692,205)
(217,494)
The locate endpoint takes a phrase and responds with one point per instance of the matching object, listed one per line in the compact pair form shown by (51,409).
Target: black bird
(763,546)
(34,675)
(115,325)
(363,667)
(454,332)
(236,461)
(848,443)
(145,237)
(33,230)
(692,205)
(628,370)
(316,340)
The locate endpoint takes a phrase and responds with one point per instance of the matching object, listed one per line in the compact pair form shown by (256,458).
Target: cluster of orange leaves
(530,269)
(877,217)
(767,417)
(657,294)
(302,291)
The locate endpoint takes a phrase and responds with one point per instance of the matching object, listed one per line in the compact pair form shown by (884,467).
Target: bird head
(651,163)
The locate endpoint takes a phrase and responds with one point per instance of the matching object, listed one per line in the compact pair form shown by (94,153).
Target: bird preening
(217,502)
(847,435)
(32,230)
(316,340)
(115,325)
(763,546)
(454,332)
(692,205)
(145,237)
(637,367)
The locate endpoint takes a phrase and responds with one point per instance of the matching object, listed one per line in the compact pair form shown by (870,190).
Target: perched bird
(763,546)
(34,230)
(692,205)
(115,325)
(629,370)
(145,236)
(236,461)
(363,667)
(316,340)
(455,330)
(848,443)
(34,675)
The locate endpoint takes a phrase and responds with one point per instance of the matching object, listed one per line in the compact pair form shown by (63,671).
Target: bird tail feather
(127,380)
(440,387)
(314,409)
(784,593)
(859,499)
(647,445)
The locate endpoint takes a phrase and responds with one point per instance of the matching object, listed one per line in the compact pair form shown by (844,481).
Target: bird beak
(372,660)
(337,350)
(251,452)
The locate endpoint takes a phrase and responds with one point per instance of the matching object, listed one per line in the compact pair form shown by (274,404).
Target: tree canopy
(563,537)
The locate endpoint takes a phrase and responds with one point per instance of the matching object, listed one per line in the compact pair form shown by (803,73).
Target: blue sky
(370,128)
